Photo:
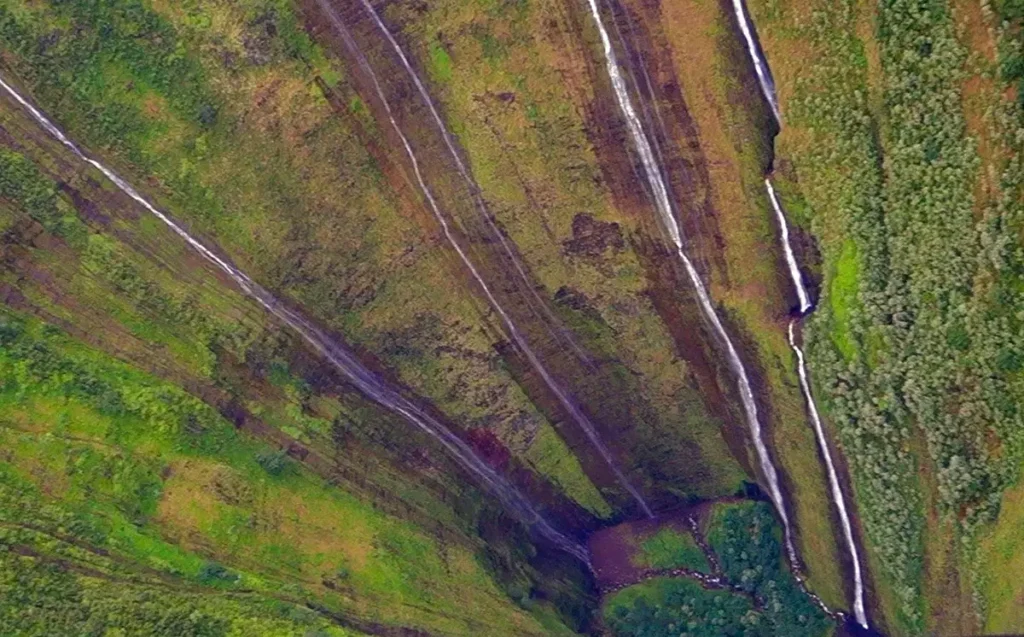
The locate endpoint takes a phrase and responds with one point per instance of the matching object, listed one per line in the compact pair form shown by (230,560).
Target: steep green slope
(484,241)
(117,484)
(901,139)
(122,484)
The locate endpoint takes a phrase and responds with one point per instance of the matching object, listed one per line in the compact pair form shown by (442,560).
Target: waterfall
(563,398)
(667,216)
(340,357)
(787,248)
(838,498)
(764,76)
(833,480)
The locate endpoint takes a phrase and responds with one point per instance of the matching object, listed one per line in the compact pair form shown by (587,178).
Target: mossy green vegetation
(761,598)
(550,456)
(670,548)
(1000,555)
(842,297)
(119,464)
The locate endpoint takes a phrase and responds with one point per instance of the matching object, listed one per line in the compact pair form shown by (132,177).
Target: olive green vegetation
(215,108)
(764,598)
(117,484)
(669,548)
(916,350)
(169,489)
(516,99)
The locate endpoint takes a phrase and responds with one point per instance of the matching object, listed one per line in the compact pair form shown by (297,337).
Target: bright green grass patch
(1001,561)
(843,297)
(550,456)
(440,61)
(148,471)
(669,548)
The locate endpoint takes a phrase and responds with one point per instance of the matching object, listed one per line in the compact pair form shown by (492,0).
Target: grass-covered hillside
(421,357)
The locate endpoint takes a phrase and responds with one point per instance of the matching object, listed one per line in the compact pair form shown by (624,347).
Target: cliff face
(469,341)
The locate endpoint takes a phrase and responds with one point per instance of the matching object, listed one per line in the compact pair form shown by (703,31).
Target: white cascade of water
(346,362)
(833,480)
(563,398)
(794,270)
(764,77)
(666,213)
(838,498)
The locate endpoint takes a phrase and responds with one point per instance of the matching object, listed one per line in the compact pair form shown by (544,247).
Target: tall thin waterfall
(787,248)
(666,213)
(838,498)
(345,361)
(563,398)
(764,76)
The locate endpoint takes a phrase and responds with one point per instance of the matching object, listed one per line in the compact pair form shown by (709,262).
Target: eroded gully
(514,333)
(340,357)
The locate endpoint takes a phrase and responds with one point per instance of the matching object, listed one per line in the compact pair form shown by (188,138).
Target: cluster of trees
(748,542)
(1011,50)
(766,599)
(676,607)
(936,321)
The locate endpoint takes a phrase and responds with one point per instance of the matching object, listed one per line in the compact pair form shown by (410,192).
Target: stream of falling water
(838,498)
(342,359)
(764,76)
(667,216)
(563,398)
(787,248)
(764,79)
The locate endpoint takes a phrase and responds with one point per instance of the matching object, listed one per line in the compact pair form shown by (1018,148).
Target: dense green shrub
(748,542)
(924,352)
(673,607)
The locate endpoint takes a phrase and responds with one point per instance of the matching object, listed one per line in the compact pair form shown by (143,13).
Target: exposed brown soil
(614,549)
(977,93)
(591,238)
